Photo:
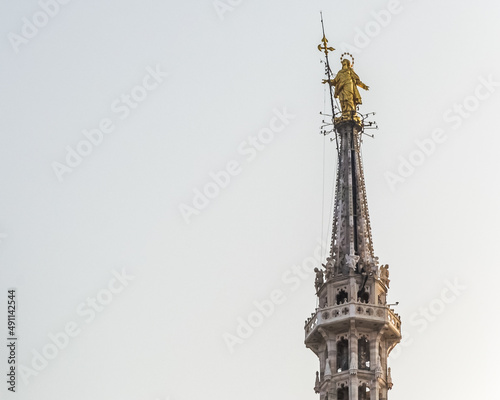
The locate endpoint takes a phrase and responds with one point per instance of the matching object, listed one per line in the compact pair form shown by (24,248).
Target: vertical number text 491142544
(11,340)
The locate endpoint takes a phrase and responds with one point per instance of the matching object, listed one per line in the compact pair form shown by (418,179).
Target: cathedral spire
(351,245)
(353,330)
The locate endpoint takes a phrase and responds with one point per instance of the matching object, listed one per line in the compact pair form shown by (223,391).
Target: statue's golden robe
(346,90)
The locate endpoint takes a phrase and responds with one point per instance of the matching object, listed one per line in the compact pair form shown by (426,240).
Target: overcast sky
(163,182)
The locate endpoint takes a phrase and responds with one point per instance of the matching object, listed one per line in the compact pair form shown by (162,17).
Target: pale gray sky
(183,90)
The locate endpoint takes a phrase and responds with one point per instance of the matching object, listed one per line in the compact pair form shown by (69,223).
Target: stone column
(374,390)
(332,355)
(322,361)
(353,346)
(383,391)
(353,288)
(373,352)
(353,389)
(353,362)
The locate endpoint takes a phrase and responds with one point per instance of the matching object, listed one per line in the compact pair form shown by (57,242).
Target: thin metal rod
(328,73)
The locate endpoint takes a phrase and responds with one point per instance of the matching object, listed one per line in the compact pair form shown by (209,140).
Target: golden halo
(344,55)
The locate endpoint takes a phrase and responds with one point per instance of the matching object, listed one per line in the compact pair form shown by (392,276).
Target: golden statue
(346,90)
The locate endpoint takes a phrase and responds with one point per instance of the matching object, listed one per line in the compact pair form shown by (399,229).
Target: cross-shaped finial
(325,47)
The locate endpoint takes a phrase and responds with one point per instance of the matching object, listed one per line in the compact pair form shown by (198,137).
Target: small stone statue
(328,268)
(318,282)
(384,274)
(351,261)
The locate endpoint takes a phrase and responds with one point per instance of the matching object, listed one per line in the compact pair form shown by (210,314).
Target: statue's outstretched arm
(362,85)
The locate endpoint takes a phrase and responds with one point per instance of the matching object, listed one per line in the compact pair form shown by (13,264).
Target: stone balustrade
(346,310)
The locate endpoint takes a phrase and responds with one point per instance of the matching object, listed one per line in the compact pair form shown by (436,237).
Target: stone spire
(353,330)
(351,245)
